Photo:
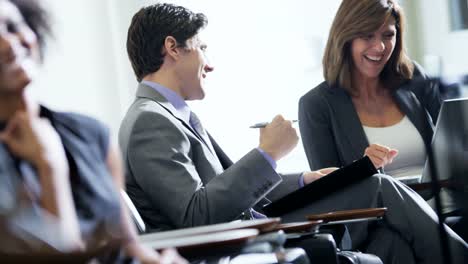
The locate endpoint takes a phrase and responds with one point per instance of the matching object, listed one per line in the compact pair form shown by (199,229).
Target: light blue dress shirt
(183,110)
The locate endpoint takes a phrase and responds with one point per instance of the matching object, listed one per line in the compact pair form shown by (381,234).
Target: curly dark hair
(149,28)
(36,18)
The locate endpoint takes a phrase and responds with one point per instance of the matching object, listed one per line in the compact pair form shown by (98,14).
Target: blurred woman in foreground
(59,175)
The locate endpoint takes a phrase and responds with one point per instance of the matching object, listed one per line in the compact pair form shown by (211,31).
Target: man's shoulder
(148,115)
(143,108)
(142,104)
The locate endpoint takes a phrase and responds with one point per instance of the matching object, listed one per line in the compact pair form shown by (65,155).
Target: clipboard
(339,179)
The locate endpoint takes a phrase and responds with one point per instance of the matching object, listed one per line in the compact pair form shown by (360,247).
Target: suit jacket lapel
(144,91)
(412,108)
(225,161)
(346,117)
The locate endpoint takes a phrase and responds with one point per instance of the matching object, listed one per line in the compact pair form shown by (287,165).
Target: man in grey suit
(177,176)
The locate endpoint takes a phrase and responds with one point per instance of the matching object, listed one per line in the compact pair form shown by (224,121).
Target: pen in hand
(264,124)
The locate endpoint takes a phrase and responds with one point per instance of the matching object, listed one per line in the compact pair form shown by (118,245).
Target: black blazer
(332,133)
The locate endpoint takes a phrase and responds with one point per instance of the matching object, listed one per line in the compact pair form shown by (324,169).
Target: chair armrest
(298,227)
(349,215)
(427,185)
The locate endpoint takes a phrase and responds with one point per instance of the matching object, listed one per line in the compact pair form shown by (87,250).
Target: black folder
(354,172)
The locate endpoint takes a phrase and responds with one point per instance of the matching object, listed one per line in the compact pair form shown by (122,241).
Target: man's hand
(311,176)
(278,138)
(380,155)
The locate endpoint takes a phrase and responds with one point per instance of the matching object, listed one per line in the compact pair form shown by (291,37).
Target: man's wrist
(268,157)
(301,180)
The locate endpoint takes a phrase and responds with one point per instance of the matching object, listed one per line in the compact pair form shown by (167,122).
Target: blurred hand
(380,155)
(150,256)
(170,256)
(311,176)
(278,138)
(36,141)
(21,139)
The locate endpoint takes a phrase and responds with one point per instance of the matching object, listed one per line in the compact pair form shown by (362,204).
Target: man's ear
(170,47)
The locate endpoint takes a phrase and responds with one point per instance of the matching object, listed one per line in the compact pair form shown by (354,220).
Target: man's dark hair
(149,28)
(36,18)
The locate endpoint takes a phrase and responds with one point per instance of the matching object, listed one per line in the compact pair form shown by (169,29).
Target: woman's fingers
(392,154)
(377,161)
(380,155)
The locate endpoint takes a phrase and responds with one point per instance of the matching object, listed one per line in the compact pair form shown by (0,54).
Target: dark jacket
(332,133)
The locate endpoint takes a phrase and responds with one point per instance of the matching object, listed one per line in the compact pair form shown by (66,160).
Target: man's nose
(208,68)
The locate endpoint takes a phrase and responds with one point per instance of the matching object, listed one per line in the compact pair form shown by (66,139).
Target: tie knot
(194,120)
(197,126)
(196,123)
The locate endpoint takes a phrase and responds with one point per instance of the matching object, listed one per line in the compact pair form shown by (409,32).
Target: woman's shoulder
(419,71)
(420,83)
(322,88)
(79,122)
(419,80)
(82,120)
(319,94)
(87,128)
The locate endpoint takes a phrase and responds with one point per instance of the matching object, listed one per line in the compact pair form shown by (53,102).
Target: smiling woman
(367,94)
(19,50)
(371,52)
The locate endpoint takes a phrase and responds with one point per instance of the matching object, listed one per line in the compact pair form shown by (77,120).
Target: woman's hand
(35,140)
(21,139)
(170,256)
(311,176)
(380,155)
(148,255)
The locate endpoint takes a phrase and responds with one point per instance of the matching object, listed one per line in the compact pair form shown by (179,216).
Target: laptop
(450,148)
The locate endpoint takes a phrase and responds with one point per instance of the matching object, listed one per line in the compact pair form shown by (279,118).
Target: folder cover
(354,172)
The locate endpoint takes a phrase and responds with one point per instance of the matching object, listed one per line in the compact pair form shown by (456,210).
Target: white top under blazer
(404,137)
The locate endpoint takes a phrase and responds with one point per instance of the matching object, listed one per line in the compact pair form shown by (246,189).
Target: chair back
(140,224)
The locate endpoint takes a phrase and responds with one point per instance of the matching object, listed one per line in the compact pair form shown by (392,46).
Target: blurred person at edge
(59,174)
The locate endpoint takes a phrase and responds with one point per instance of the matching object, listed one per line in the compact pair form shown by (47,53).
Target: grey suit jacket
(175,180)
(332,133)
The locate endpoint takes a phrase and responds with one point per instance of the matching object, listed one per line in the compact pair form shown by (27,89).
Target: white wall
(79,70)
(266,55)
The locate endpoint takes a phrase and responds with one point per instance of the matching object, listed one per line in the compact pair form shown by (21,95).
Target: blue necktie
(197,126)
